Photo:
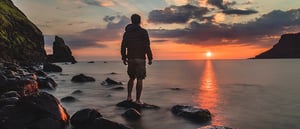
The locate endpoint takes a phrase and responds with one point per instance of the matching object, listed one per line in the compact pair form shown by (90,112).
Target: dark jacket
(137,43)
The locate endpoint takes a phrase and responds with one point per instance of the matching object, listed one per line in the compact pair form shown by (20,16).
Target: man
(135,45)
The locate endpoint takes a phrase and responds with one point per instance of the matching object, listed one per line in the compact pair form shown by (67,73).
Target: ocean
(242,94)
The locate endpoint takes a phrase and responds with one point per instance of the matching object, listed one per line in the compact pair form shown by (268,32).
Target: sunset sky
(178,29)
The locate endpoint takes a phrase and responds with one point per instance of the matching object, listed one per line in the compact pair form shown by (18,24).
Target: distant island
(287,47)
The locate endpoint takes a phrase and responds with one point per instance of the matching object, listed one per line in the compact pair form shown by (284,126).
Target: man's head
(135,19)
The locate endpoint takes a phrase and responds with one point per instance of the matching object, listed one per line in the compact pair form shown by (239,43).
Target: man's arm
(148,49)
(123,50)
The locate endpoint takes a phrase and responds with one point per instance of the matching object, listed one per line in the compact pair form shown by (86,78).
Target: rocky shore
(23,105)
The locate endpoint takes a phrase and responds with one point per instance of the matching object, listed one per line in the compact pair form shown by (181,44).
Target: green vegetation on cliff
(20,39)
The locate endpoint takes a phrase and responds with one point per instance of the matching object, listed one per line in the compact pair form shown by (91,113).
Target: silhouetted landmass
(61,52)
(20,39)
(287,47)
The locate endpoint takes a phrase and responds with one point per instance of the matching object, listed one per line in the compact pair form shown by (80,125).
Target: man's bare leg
(129,89)
(139,87)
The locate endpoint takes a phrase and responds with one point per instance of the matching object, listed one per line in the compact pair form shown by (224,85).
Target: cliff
(61,52)
(20,39)
(287,47)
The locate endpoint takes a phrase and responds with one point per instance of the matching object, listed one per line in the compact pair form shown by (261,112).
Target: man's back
(136,40)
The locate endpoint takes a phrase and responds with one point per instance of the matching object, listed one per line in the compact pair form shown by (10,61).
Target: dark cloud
(221,4)
(92,37)
(159,40)
(109,18)
(92,2)
(227,7)
(273,23)
(177,14)
(217,3)
(239,11)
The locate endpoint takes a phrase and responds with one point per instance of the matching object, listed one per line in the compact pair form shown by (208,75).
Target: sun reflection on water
(208,96)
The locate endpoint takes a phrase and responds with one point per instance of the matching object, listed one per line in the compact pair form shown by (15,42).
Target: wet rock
(10,74)
(40,73)
(8,101)
(113,73)
(130,104)
(92,119)
(118,88)
(11,66)
(175,89)
(46,123)
(34,111)
(84,118)
(192,113)
(46,83)
(23,86)
(82,78)
(110,82)
(132,114)
(101,123)
(68,99)
(52,68)
(10,94)
(77,92)
(64,74)
(215,127)
(2,78)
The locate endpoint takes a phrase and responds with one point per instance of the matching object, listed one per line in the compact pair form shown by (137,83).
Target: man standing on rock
(135,45)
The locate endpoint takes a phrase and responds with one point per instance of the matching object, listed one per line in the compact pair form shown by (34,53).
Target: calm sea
(243,94)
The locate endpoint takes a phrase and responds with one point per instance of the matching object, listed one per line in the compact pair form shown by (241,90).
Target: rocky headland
(287,47)
(20,39)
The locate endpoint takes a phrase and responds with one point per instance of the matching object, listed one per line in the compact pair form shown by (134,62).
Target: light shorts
(136,68)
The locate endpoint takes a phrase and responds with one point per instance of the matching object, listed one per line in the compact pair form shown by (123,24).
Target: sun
(208,54)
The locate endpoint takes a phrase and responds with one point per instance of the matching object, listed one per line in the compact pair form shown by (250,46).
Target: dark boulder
(46,123)
(40,73)
(34,111)
(10,74)
(52,68)
(110,82)
(82,78)
(132,114)
(2,78)
(23,86)
(84,118)
(113,73)
(130,104)
(46,83)
(77,92)
(10,94)
(175,89)
(61,52)
(8,101)
(192,113)
(101,123)
(118,88)
(68,99)
(215,127)
(92,119)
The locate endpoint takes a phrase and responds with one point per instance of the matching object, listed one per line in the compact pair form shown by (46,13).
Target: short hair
(135,19)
